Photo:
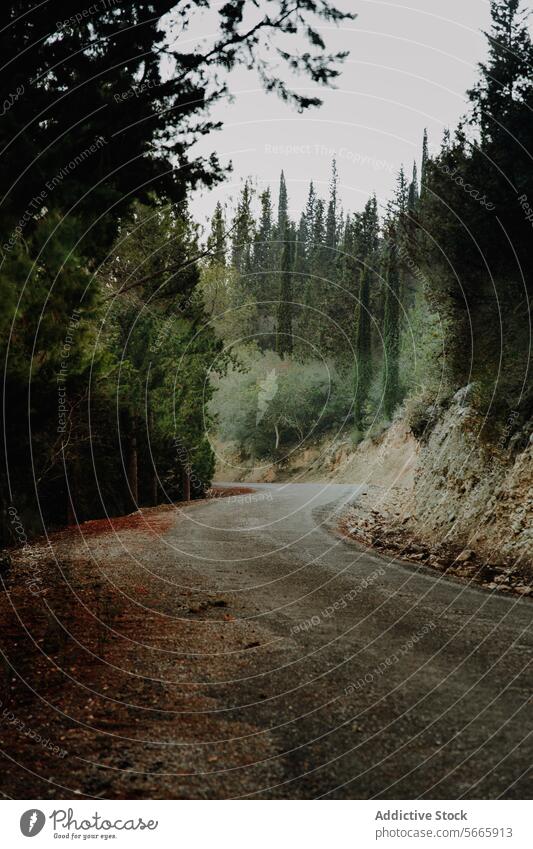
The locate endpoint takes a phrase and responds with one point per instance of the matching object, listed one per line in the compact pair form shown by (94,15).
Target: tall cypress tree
(283,208)
(284,338)
(425,160)
(285,235)
(216,241)
(331,217)
(329,336)
(363,348)
(262,255)
(401,195)
(391,330)
(262,283)
(309,215)
(412,198)
(241,254)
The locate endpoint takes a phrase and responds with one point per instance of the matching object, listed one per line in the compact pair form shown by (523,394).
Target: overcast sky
(410,64)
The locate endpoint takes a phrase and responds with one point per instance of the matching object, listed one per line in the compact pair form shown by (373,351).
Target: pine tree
(391,331)
(425,160)
(262,284)
(506,75)
(412,198)
(368,232)
(283,208)
(216,241)
(363,348)
(262,258)
(332,211)
(309,216)
(302,237)
(315,290)
(284,337)
(401,194)
(318,239)
(241,255)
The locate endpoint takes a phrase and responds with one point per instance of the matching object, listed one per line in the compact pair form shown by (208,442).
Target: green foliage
(166,346)
(474,242)
(268,405)
(422,365)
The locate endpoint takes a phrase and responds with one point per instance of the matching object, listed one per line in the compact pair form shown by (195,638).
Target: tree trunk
(71,482)
(154,494)
(133,469)
(131,458)
(185,483)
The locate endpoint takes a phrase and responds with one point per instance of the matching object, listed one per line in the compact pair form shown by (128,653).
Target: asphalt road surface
(277,660)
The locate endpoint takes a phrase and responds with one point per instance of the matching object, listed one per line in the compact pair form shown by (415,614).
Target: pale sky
(410,64)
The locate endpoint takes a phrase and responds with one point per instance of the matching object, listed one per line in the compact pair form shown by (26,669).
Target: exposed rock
(465,555)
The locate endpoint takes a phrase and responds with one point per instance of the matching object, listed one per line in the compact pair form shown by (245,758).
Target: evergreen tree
(216,241)
(368,232)
(263,282)
(243,232)
(309,216)
(332,211)
(302,238)
(283,209)
(505,77)
(425,159)
(262,260)
(318,239)
(306,248)
(395,231)
(391,332)
(363,348)
(469,268)
(401,195)
(284,338)
(413,195)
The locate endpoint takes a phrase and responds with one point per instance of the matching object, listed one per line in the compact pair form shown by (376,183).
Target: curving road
(383,680)
(293,664)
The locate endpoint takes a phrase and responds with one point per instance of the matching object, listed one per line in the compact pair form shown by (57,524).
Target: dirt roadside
(96,657)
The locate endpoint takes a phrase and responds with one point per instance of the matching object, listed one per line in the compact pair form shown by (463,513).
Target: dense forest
(342,319)
(129,339)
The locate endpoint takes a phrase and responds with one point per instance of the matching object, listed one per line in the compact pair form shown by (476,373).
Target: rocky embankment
(468,506)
